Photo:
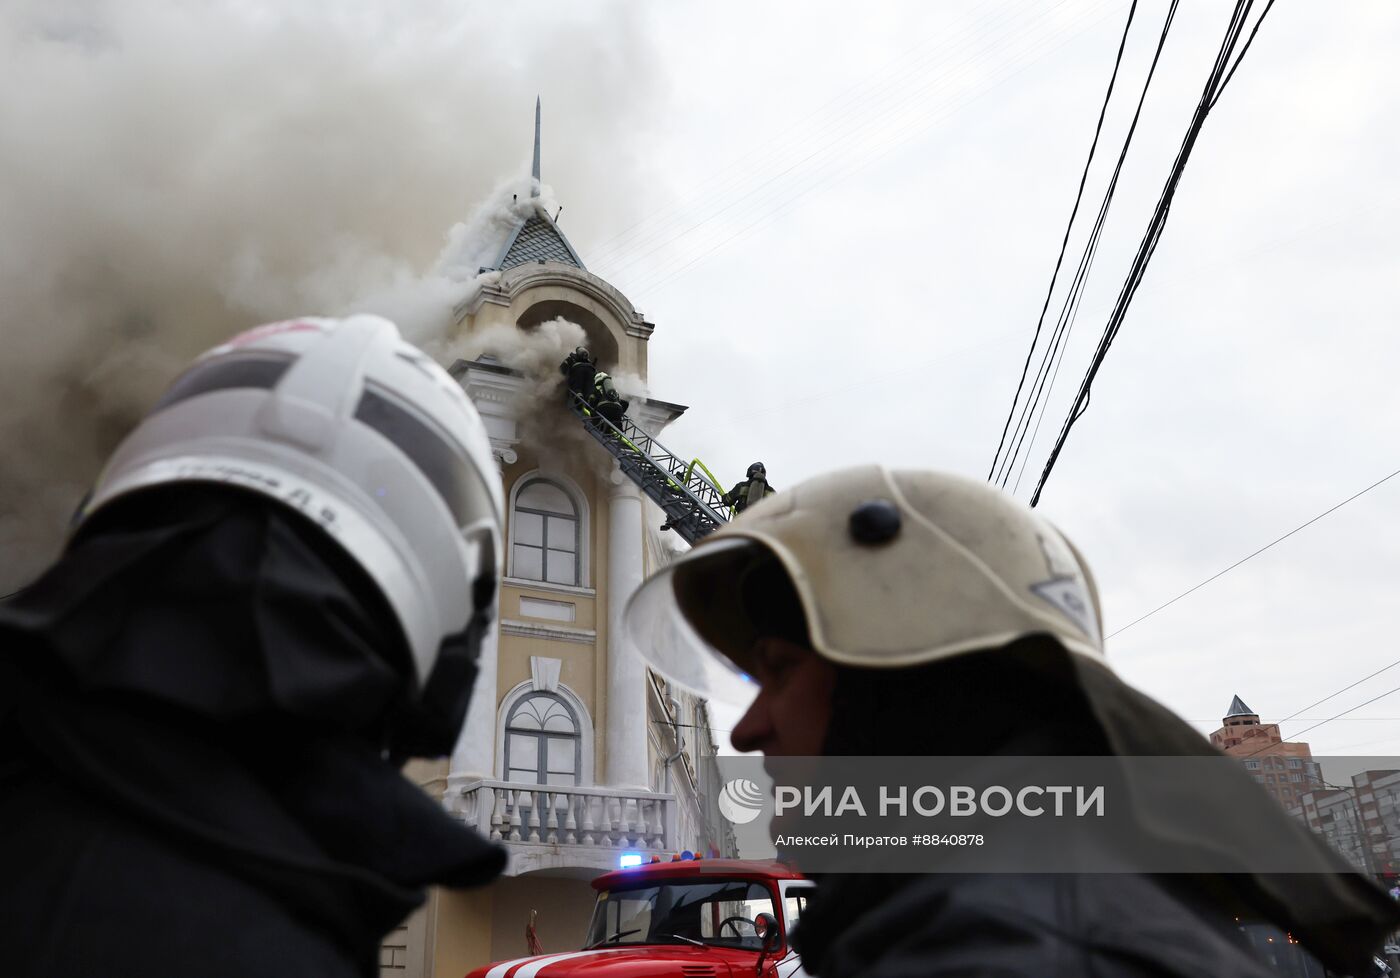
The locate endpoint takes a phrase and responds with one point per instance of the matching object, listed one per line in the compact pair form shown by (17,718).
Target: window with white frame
(542,741)
(545,534)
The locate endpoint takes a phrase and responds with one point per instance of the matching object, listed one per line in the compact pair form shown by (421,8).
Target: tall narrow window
(545,534)
(542,741)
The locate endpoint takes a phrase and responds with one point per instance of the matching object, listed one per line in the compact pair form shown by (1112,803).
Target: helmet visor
(697,621)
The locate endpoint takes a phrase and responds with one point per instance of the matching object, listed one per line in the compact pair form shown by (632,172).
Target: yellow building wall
(584,667)
(460,930)
(565,907)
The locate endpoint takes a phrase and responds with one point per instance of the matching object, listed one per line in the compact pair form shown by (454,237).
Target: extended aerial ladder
(686,491)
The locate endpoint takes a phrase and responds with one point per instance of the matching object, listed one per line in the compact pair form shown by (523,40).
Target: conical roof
(537,239)
(1239,709)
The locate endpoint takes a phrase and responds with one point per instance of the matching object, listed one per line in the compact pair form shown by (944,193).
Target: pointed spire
(535,168)
(1238,709)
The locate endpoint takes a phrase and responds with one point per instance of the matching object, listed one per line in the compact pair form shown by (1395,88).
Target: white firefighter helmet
(891,569)
(357,430)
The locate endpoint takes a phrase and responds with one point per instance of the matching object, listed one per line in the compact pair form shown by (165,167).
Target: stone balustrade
(584,826)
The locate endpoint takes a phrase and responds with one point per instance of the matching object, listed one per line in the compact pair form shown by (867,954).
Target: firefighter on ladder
(579,369)
(754,487)
(605,400)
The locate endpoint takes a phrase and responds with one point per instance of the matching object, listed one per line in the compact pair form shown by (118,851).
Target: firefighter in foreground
(914,613)
(275,593)
(754,488)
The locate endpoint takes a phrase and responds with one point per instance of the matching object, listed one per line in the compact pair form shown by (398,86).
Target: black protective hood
(1033,698)
(207,662)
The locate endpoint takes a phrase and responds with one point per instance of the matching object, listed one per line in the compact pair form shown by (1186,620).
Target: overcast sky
(842,223)
(883,314)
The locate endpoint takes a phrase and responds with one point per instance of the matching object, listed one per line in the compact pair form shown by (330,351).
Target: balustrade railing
(588,817)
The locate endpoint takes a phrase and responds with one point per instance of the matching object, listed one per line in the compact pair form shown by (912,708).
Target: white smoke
(424,306)
(535,352)
(172,173)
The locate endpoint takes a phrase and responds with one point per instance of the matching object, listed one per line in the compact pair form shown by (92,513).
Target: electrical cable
(1069,226)
(1389,692)
(1220,574)
(1243,51)
(1086,261)
(1148,246)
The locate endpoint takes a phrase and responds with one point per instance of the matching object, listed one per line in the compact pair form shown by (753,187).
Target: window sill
(582,592)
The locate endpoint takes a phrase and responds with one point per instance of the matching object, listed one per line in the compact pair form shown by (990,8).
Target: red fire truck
(686,918)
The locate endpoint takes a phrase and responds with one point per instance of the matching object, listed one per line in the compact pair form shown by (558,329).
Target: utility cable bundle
(1009,449)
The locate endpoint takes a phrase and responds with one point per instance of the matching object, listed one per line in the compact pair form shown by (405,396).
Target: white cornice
(551,633)
(524,277)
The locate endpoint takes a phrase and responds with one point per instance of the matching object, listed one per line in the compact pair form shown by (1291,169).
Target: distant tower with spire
(1285,768)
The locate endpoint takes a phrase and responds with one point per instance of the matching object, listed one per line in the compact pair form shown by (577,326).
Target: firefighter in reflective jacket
(605,400)
(754,487)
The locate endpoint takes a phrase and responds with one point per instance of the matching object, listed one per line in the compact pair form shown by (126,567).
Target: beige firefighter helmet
(892,569)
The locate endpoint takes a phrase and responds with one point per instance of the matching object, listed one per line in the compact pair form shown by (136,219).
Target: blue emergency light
(630,860)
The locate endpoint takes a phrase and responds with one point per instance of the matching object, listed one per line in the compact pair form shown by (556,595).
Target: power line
(1040,390)
(1220,574)
(1148,246)
(1243,51)
(1295,716)
(1064,243)
(1389,692)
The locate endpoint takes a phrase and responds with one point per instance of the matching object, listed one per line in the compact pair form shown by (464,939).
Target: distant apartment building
(1285,768)
(1361,820)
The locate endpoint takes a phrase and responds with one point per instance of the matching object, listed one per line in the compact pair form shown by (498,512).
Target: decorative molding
(490,293)
(522,582)
(544,673)
(521,278)
(653,416)
(638,327)
(500,448)
(585,723)
(550,633)
(621,487)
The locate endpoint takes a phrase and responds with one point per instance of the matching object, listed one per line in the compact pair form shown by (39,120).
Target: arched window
(542,741)
(545,534)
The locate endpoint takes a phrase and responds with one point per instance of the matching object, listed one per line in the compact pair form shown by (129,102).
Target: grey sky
(861,285)
(884,315)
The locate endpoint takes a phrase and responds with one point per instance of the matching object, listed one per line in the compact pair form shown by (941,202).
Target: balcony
(571,831)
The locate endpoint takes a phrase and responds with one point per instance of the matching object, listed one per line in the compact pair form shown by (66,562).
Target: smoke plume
(173,173)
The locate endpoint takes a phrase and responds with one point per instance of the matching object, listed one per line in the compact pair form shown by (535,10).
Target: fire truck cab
(689,918)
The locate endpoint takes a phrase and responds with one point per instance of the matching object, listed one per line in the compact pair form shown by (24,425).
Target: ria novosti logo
(741,801)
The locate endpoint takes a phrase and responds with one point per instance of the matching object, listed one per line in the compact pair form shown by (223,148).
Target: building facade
(1360,820)
(1285,768)
(574,753)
